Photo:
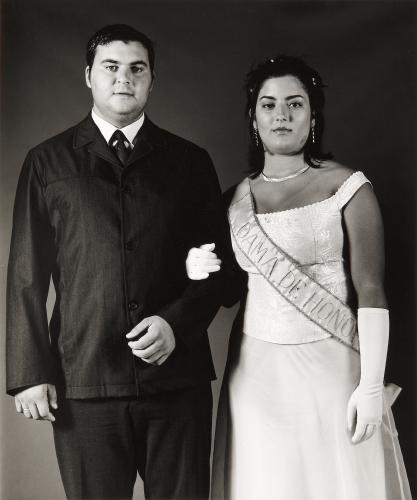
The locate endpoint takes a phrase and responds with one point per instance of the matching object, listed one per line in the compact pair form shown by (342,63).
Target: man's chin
(120,115)
(123,111)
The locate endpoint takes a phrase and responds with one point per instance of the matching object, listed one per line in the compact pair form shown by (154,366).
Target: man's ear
(87,77)
(153,81)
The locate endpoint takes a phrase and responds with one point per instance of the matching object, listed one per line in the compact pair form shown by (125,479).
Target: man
(109,209)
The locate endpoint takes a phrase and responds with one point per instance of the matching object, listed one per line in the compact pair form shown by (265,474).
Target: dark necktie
(118,143)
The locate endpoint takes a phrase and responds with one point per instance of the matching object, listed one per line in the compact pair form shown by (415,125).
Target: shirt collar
(107,129)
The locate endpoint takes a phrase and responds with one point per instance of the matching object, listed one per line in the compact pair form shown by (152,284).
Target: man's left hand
(156,344)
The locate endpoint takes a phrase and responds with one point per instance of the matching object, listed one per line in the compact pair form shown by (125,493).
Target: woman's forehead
(282,85)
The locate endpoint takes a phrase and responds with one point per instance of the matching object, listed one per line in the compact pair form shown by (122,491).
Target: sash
(283,272)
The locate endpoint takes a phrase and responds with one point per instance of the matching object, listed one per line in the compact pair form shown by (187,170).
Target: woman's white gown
(281,431)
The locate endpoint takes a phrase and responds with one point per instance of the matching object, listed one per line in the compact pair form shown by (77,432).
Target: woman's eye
(268,105)
(296,104)
(137,69)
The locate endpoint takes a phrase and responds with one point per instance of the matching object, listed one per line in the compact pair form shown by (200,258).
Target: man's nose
(124,75)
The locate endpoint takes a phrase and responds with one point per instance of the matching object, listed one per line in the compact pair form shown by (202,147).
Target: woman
(302,415)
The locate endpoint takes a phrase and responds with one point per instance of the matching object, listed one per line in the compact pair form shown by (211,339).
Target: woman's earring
(255,135)
(313,137)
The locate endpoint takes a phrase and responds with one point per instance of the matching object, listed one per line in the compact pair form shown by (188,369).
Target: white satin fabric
(281,431)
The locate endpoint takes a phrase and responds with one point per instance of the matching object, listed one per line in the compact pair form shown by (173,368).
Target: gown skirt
(282,430)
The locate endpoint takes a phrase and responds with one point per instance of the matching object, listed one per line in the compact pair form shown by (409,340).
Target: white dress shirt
(107,129)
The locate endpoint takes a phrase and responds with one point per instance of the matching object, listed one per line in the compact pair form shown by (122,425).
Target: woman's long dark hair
(312,82)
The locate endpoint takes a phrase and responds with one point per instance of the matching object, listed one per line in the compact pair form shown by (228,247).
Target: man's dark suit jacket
(115,241)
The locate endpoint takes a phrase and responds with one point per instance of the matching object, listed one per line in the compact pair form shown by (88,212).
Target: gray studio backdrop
(366,52)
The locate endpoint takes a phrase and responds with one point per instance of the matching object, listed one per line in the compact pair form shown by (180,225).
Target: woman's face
(283,115)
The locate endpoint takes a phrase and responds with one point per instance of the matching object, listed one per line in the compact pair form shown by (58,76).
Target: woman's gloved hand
(202,261)
(366,402)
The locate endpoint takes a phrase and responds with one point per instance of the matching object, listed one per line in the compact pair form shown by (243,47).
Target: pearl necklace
(288,177)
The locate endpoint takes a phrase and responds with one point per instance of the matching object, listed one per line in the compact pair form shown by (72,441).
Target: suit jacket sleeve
(194,310)
(28,351)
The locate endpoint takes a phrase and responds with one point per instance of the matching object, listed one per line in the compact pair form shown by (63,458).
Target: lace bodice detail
(313,236)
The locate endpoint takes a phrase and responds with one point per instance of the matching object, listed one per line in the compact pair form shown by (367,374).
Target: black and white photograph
(208,250)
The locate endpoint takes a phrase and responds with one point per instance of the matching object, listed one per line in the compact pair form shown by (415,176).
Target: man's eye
(112,67)
(137,69)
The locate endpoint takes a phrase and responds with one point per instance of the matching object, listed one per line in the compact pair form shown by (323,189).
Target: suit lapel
(142,147)
(100,148)
(88,134)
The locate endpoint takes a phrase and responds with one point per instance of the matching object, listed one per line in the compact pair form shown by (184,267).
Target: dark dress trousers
(114,241)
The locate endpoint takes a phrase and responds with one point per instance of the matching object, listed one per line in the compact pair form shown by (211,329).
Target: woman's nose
(281,112)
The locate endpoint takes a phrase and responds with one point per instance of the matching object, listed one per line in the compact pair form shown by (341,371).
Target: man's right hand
(34,402)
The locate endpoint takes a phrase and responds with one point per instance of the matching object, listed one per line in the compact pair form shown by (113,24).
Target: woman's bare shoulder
(333,174)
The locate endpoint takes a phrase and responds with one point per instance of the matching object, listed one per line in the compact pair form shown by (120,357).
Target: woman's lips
(281,130)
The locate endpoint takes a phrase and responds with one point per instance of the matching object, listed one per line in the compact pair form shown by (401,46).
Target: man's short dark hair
(116,32)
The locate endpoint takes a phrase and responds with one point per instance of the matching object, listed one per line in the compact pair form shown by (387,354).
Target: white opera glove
(366,402)
(202,261)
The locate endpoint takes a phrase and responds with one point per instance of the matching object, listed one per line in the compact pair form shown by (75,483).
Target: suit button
(129,246)
(132,306)
(125,190)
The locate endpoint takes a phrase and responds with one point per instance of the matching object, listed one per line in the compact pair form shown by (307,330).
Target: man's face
(120,80)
